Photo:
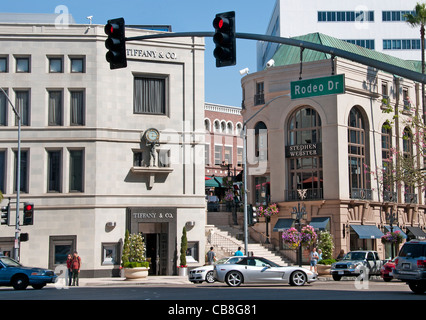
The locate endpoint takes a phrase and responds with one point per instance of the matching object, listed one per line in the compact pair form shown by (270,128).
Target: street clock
(152,135)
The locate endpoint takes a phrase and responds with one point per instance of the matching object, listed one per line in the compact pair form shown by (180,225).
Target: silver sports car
(261,270)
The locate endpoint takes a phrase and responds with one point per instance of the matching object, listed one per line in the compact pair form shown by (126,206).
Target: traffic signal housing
(28,214)
(252,215)
(116,43)
(5,214)
(224,38)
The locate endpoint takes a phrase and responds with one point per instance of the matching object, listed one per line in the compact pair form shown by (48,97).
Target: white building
(85,161)
(374,24)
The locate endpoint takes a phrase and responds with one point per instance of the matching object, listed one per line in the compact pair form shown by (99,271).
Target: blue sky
(222,85)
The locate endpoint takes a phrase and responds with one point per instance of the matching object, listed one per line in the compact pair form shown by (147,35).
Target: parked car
(261,270)
(205,273)
(355,263)
(12,273)
(386,272)
(410,265)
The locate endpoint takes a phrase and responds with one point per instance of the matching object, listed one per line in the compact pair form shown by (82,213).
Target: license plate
(341,272)
(406,266)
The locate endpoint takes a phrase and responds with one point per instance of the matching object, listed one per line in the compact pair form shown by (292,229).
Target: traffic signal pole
(402,72)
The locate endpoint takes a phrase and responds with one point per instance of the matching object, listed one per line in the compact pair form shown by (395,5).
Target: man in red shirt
(75,265)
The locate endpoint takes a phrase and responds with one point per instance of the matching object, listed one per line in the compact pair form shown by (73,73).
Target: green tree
(183,248)
(416,19)
(325,243)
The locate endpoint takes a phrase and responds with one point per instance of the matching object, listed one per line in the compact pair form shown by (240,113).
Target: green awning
(213,182)
(283,224)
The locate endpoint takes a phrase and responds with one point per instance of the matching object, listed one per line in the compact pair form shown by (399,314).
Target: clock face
(152,135)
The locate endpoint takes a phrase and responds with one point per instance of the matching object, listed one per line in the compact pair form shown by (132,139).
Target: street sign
(318,87)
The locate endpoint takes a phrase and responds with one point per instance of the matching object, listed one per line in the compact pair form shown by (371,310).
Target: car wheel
(417,287)
(298,278)
(209,277)
(20,282)
(336,277)
(387,279)
(234,278)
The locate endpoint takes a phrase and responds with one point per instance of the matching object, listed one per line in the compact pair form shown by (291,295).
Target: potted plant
(325,243)
(133,259)
(183,268)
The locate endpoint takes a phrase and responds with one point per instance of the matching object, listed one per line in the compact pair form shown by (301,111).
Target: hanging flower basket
(392,237)
(269,211)
(306,237)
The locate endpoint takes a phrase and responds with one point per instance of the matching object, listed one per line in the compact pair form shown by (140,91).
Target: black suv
(410,265)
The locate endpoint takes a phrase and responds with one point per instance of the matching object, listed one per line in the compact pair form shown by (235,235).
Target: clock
(152,135)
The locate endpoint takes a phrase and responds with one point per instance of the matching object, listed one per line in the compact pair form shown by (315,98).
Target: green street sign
(318,87)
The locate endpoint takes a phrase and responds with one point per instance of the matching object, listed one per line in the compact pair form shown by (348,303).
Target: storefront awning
(367,232)
(320,223)
(396,228)
(283,224)
(417,232)
(213,182)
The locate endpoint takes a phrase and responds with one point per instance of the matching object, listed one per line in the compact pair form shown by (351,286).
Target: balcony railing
(259,98)
(410,198)
(390,196)
(363,194)
(311,194)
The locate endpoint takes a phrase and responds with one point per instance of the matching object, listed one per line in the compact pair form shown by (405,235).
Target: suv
(410,265)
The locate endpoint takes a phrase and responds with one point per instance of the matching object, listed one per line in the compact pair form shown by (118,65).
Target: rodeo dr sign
(318,87)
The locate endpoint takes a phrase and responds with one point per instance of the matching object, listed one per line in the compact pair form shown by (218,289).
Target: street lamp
(299,213)
(392,218)
(18,177)
(245,168)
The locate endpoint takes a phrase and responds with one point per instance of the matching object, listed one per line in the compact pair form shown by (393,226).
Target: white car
(205,273)
(261,270)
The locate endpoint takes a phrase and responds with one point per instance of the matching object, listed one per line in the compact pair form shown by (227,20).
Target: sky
(222,85)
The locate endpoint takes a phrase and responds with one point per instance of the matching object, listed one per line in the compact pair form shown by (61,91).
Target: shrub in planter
(327,261)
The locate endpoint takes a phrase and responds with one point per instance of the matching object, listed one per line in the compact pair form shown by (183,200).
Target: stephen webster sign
(303,150)
(318,87)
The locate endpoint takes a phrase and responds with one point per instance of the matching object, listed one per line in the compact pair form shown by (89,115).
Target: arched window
(387,164)
(304,154)
(207,125)
(261,141)
(407,153)
(359,182)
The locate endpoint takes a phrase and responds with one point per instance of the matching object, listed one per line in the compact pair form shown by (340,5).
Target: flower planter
(183,271)
(323,269)
(135,273)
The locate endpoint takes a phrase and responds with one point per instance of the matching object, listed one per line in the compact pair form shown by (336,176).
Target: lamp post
(297,215)
(391,217)
(18,178)
(245,168)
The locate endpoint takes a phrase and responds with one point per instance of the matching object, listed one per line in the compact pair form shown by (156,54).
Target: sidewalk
(117,281)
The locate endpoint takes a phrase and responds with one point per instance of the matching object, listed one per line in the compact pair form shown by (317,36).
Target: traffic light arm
(402,72)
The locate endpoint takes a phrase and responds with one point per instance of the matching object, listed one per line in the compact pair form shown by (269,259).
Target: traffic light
(5,214)
(224,38)
(28,214)
(252,215)
(116,43)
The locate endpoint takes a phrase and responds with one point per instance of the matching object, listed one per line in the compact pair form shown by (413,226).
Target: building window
(56,65)
(304,154)
(207,154)
(3,65)
(259,97)
(407,153)
(345,16)
(228,155)
(22,64)
(110,253)
(359,182)
(22,104)
(59,248)
(76,170)
(137,158)
(218,155)
(24,171)
(365,43)
(387,163)
(261,141)
(3,108)
(401,44)
(54,168)
(77,107)
(240,156)
(149,96)
(55,106)
(77,65)
(3,171)
(263,190)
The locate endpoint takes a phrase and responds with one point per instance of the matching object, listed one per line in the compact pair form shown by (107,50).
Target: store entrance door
(155,237)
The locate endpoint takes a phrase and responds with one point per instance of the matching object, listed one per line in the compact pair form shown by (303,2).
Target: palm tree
(415,19)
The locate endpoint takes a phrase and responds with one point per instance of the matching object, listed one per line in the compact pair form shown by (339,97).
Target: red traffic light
(28,207)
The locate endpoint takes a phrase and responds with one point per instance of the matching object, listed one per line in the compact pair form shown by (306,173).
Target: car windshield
(228,260)
(8,262)
(221,261)
(354,256)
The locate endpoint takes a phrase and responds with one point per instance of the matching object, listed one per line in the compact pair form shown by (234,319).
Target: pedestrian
(319,255)
(69,268)
(341,255)
(313,257)
(76,266)
(238,252)
(211,256)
